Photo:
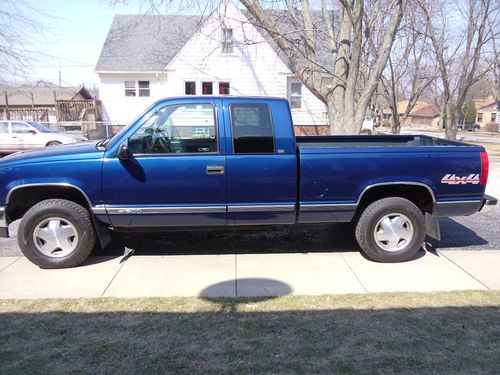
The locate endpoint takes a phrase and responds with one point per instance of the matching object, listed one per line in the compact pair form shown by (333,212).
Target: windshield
(40,127)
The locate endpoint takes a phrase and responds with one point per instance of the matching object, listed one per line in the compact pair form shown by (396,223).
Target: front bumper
(4,226)
(489,203)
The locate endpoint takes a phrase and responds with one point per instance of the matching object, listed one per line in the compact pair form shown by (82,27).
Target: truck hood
(81,150)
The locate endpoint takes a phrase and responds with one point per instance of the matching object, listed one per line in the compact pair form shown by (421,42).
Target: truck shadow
(306,238)
(455,235)
(277,239)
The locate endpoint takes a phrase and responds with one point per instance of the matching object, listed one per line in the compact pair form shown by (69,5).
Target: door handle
(215,169)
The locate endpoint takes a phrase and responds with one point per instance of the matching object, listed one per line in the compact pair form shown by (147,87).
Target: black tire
(53,143)
(69,212)
(383,208)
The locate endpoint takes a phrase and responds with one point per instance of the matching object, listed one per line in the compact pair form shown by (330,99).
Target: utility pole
(7,105)
(60,84)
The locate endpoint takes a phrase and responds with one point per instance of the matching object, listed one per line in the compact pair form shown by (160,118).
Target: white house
(145,58)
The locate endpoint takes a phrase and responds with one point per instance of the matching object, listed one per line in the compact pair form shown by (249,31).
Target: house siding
(252,69)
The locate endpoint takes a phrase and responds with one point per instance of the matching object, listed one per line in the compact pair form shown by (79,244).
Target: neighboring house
(423,113)
(427,115)
(145,58)
(488,111)
(47,103)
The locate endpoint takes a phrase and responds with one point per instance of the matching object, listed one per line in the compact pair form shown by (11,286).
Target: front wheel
(54,143)
(391,230)
(56,233)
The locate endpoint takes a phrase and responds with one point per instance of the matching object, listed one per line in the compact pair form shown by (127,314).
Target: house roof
(483,103)
(145,42)
(43,94)
(402,104)
(427,111)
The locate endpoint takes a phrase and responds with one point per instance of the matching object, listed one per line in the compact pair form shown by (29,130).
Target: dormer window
(227,40)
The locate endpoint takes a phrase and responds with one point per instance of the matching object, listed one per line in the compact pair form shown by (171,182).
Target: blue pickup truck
(212,162)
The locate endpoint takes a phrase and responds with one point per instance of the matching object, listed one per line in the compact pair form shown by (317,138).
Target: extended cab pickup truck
(211,162)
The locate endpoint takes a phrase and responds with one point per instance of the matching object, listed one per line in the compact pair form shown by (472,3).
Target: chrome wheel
(55,237)
(393,232)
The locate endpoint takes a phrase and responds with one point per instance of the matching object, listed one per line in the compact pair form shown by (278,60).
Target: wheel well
(53,141)
(417,194)
(22,199)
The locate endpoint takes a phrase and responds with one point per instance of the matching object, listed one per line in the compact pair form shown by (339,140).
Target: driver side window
(20,128)
(177,129)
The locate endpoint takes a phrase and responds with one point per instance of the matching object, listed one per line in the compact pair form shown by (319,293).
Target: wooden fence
(78,110)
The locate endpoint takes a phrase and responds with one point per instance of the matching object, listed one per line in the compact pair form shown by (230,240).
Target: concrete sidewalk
(250,275)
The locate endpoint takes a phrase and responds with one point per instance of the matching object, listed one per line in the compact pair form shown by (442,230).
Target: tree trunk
(450,123)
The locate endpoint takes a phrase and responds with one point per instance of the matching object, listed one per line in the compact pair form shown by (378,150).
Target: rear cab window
(252,128)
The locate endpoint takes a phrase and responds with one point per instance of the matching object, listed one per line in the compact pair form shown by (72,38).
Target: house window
(130,88)
(190,88)
(144,88)
(207,88)
(479,117)
(493,117)
(227,40)
(224,88)
(296,95)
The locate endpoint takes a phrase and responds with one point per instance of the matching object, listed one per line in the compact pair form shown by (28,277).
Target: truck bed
(335,170)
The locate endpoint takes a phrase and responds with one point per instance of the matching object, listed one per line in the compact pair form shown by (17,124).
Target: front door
(24,136)
(175,175)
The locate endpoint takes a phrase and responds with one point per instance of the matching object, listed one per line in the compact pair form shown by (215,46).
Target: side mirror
(123,152)
(32,132)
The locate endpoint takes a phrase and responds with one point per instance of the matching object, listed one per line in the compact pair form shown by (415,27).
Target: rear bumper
(4,226)
(489,203)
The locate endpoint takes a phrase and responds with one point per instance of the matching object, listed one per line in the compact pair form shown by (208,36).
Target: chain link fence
(89,129)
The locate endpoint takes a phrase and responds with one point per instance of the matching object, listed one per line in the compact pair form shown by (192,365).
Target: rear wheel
(56,233)
(54,143)
(391,230)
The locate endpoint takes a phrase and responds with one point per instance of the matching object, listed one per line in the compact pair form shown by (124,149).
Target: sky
(75,31)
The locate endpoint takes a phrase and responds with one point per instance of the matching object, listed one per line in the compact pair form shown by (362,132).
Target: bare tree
(458,57)
(409,71)
(340,80)
(19,25)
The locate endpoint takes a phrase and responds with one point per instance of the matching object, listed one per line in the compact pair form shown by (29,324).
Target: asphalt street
(476,232)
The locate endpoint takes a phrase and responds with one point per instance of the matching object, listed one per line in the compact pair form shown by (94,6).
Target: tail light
(485,167)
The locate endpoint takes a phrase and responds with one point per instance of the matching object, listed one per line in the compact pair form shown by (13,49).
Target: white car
(24,135)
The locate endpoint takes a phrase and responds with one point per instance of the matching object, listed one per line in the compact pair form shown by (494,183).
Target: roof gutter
(129,71)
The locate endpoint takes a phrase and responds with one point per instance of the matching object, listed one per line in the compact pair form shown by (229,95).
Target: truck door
(24,137)
(175,174)
(261,162)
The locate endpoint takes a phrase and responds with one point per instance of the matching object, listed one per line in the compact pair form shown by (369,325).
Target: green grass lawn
(456,332)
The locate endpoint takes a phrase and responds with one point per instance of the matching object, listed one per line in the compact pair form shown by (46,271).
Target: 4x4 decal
(453,179)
